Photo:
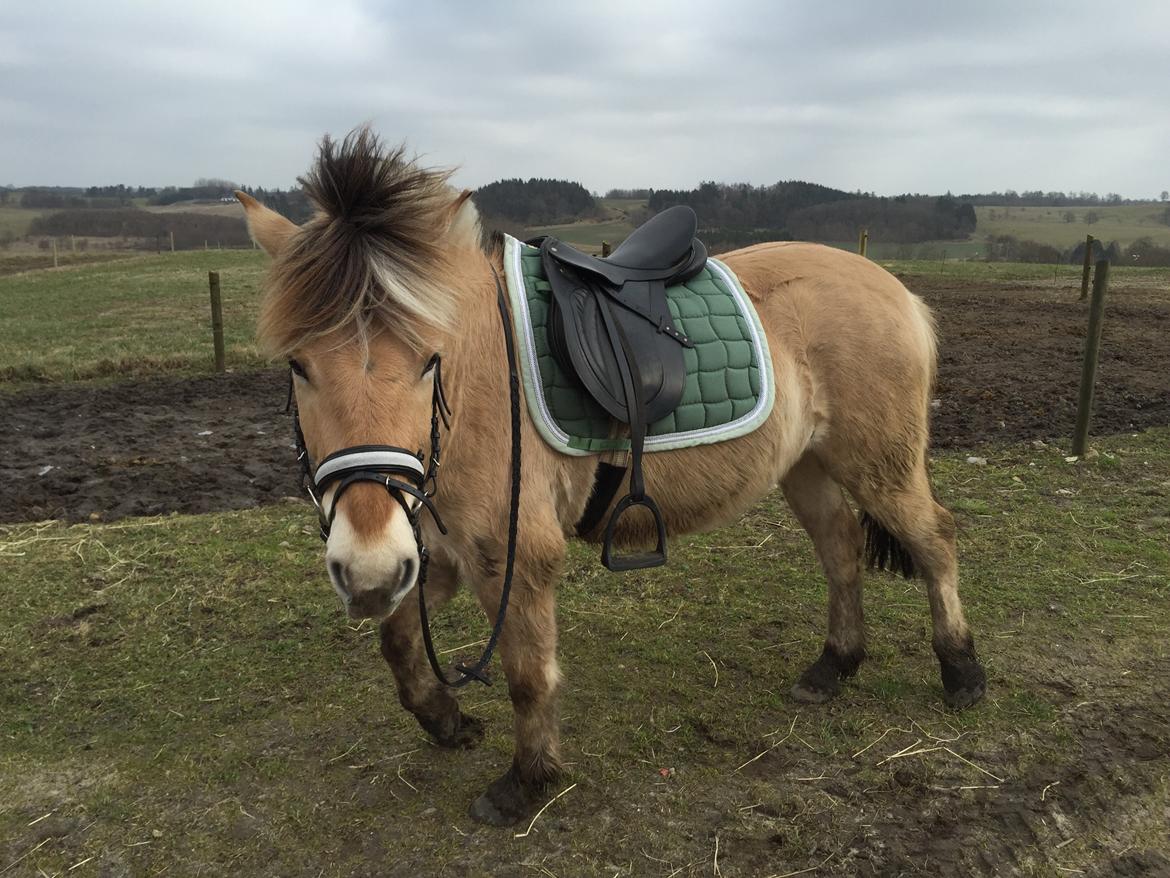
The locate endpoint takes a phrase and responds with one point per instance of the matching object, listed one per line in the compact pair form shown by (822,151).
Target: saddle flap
(584,347)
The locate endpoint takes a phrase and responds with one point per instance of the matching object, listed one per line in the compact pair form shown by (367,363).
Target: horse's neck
(475,374)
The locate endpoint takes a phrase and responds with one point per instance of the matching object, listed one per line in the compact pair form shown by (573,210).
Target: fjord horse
(392,269)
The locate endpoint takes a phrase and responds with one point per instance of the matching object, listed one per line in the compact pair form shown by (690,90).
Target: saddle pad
(729,386)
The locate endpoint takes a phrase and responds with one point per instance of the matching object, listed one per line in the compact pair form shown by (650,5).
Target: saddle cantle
(610,328)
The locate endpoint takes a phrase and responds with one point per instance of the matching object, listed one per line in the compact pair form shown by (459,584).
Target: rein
(402,474)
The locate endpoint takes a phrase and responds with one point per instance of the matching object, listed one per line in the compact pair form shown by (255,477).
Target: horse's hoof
(505,802)
(442,719)
(964,680)
(807,694)
(467,735)
(483,810)
(961,699)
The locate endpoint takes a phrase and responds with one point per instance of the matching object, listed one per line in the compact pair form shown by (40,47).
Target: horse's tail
(883,551)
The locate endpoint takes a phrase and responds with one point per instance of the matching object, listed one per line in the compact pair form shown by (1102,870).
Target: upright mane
(373,253)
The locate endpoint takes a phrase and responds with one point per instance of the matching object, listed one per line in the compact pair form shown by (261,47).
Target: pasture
(180,693)
(1122,223)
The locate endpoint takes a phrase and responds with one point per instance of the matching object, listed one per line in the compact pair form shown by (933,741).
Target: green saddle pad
(729,386)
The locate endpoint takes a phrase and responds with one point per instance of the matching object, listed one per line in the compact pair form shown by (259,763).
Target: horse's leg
(821,508)
(906,508)
(528,653)
(419,691)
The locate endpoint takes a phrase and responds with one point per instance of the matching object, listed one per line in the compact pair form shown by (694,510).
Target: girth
(610,328)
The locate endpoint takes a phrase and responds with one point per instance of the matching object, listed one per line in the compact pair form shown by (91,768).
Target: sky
(888,97)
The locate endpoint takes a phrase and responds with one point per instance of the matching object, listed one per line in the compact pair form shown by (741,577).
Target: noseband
(402,474)
(399,471)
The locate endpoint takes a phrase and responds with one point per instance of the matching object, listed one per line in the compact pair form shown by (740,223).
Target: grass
(182,694)
(1123,223)
(135,316)
(15,220)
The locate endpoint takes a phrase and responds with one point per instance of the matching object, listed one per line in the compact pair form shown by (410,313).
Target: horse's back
(864,344)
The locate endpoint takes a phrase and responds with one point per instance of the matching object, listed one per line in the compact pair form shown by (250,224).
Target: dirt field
(1009,370)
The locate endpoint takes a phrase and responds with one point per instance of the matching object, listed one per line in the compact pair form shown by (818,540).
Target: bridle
(403,474)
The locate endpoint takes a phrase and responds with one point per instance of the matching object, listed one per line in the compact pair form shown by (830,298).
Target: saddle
(609,327)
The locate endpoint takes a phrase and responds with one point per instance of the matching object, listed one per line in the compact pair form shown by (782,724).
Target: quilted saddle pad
(729,387)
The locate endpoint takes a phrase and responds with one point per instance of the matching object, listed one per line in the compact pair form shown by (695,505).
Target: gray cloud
(901,96)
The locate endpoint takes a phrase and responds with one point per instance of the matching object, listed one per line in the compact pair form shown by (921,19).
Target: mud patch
(1009,368)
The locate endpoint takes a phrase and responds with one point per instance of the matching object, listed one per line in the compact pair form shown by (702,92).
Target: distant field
(215,208)
(15,220)
(1124,224)
(136,316)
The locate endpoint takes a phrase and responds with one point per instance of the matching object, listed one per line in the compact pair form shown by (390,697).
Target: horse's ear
(267,227)
(463,218)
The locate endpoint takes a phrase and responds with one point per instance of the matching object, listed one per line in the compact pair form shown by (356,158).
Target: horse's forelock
(373,252)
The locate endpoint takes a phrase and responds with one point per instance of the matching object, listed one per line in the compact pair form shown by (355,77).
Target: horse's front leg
(432,704)
(528,645)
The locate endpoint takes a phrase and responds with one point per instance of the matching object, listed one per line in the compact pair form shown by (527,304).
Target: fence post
(1092,347)
(863,241)
(216,319)
(172,241)
(605,249)
(1085,270)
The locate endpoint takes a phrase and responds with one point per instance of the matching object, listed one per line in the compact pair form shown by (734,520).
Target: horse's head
(357,300)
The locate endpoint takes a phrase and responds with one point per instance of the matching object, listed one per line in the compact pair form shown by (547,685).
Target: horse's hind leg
(821,508)
(905,514)
(419,691)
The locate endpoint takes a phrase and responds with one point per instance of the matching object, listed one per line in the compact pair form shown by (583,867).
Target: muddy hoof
(442,719)
(963,678)
(961,699)
(821,680)
(807,694)
(468,732)
(505,802)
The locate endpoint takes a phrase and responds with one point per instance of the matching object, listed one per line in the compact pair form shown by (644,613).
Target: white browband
(358,460)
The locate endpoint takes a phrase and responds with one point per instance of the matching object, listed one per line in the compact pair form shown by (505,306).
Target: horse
(393,268)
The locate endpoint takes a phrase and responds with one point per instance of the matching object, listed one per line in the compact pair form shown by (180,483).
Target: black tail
(883,551)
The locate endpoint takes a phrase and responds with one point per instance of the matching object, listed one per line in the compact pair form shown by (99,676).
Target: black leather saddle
(609,327)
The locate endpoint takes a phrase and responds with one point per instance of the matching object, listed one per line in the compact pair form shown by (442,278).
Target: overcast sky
(891,97)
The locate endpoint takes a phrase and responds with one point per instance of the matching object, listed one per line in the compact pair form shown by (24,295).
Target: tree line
(536,201)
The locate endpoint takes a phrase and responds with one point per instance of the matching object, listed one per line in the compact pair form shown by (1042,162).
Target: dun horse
(391,270)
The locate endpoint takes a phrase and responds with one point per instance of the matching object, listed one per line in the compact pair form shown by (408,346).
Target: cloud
(906,96)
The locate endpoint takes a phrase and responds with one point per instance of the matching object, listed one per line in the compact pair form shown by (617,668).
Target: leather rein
(403,474)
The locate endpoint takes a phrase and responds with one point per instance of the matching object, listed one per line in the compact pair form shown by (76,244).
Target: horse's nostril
(337,574)
(407,571)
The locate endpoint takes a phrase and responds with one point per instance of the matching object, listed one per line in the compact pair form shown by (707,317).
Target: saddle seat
(609,326)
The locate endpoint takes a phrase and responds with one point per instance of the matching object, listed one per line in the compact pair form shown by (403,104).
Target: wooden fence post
(172,241)
(1085,270)
(605,249)
(216,319)
(54,253)
(1092,347)
(863,241)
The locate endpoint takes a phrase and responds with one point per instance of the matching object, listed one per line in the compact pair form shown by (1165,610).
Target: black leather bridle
(403,474)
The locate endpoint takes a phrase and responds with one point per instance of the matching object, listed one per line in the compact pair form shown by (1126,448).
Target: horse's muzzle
(363,601)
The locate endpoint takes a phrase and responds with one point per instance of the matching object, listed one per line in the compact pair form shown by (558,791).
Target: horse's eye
(298,369)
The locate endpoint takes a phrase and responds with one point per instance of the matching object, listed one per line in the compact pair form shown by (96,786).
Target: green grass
(15,220)
(182,693)
(131,317)
(1123,223)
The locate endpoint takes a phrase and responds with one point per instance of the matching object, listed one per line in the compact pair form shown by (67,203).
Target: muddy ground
(1009,370)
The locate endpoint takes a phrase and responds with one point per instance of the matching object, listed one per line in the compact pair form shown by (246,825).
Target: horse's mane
(373,253)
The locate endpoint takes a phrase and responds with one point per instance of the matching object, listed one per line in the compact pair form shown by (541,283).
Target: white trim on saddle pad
(534,387)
